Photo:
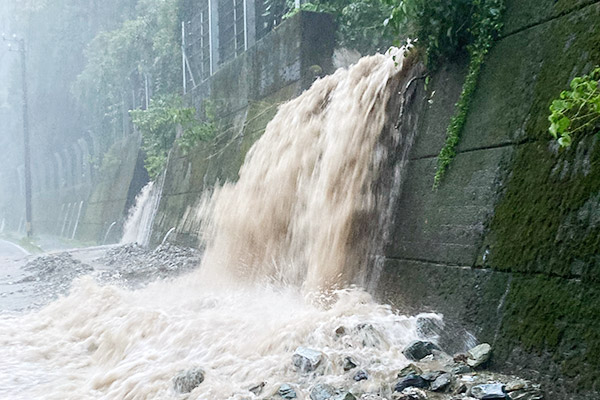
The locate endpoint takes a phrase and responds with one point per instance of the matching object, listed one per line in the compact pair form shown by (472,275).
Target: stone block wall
(113,192)
(508,247)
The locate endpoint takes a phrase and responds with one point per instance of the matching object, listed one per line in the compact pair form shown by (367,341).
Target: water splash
(104,342)
(77,220)
(300,219)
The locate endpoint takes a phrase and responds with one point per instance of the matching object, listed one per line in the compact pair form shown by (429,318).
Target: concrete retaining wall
(246,92)
(78,194)
(508,247)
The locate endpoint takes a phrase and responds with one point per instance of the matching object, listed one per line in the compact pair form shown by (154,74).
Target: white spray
(291,226)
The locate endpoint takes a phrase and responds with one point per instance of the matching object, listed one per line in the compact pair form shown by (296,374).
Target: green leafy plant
(440,26)
(160,124)
(196,131)
(577,109)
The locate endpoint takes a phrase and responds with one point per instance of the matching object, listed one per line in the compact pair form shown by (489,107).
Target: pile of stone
(432,375)
(51,275)
(134,266)
(460,377)
(122,254)
(52,266)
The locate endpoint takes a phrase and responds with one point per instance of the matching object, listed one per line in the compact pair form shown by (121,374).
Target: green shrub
(160,124)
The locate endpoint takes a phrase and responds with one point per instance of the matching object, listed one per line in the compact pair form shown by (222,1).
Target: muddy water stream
(287,248)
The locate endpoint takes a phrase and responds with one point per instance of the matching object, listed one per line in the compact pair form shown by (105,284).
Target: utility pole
(26,144)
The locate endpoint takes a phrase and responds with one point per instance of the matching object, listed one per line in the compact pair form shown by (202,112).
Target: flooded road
(28,282)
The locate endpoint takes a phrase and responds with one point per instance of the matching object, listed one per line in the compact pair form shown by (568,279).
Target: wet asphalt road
(10,250)
(13,296)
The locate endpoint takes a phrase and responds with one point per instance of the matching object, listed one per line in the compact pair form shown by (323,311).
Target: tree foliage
(165,119)
(360,22)
(445,28)
(119,62)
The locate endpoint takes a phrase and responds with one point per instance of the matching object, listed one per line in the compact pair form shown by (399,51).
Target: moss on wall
(546,220)
(523,213)
(545,229)
(521,14)
(558,317)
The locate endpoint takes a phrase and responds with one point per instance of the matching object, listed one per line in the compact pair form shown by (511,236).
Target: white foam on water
(105,342)
(278,244)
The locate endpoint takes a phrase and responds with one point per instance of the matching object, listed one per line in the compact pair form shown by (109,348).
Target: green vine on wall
(486,24)
(444,29)
(577,109)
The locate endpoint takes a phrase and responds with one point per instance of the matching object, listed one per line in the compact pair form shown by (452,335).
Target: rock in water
(257,389)
(419,349)
(322,391)
(478,355)
(410,394)
(286,391)
(344,396)
(460,358)
(410,369)
(340,331)
(349,364)
(460,369)
(516,384)
(186,381)
(431,376)
(361,375)
(368,335)
(410,380)
(490,391)
(441,382)
(307,360)
(527,394)
(461,388)
(429,327)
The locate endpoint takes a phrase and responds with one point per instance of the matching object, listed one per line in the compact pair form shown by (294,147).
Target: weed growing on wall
(577,109)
